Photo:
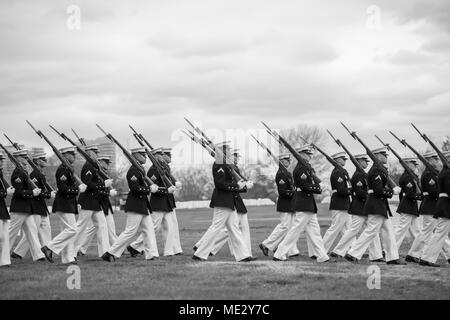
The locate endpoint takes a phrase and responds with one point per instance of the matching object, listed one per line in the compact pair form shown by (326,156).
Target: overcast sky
(226,64)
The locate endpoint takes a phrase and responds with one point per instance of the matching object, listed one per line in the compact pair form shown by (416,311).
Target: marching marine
(408,208)
(65,206)
(285,208)
(40,209)
(358,216)
(378,211)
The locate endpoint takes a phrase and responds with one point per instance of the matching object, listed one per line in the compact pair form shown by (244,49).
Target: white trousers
(224,217)
(301,222)
(280,231)
(99,221)
(25,222)
(357,223)
(4,243)
(91,230)
(438,241)
(340,221)
(223,237)
(63,243)
(424,236)
(406,223)
(137,223)
(167,223)
(375,223)
(44,235)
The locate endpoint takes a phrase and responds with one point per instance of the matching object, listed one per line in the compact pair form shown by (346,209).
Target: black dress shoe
(41,259)
(80,254)
(211,254)
(397,262)
(15,256)
(194,257)
(133,252)
(335,255)
(412,259)
(264,249)
(378,260)
(276,259)
(47,253)
(108,257)
(194,248)
(178,254)
(448,260)
(294,255)
(428,264)
(350,258)
(248,259)
(313,257)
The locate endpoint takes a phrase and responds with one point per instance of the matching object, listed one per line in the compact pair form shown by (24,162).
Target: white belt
(443,195)
(370,191)
(426,194)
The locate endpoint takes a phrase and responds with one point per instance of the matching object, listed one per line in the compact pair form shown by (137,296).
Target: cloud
(227,64)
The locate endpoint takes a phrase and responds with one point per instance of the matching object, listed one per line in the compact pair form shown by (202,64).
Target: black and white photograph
(224,156)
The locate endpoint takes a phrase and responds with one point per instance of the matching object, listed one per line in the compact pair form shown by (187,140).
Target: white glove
(10,191)
(154,188)
(241,184)
(82,187)
(113,192)
(53,194)
(79,207)
(108,183)
(249,184)
(397,190)
(171,189)
(178,184)
(36,192)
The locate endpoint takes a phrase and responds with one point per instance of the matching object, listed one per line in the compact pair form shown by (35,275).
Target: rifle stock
(374,159)
(418,155)
(61,158)
(32,165)
(30,183)
(351,156)
(402,162)
(296,155)
(271,155)
(128,155)
(84,154)
(444,160)
(237,176)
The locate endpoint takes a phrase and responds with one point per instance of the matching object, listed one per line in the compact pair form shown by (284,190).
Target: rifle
(444,160)
(352,158)
(30,183)
(329,159)
(402,162)
(168,182)
(82,142)
(194,138)
(61,158)
(419,156)
(238,176)
(128,155)
(271,155)
(84,154)
(32,165)
(296,155)
(374,159)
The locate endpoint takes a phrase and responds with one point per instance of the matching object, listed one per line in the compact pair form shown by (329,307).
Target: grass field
(220,277)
